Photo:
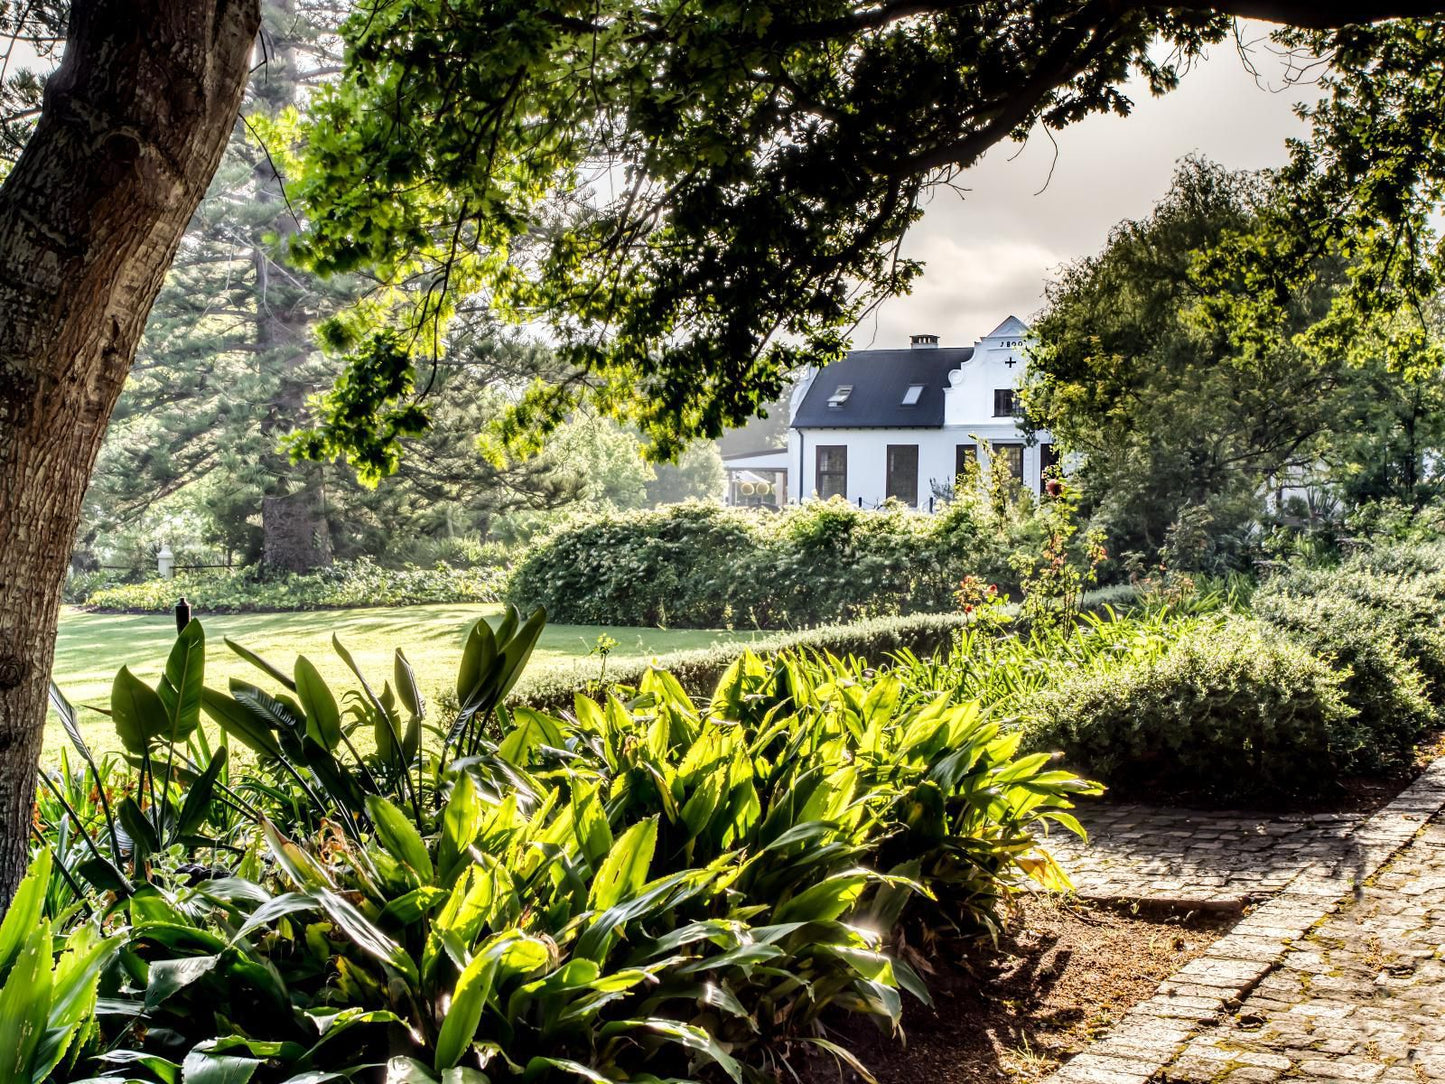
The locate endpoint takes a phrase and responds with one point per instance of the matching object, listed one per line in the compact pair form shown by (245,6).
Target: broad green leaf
(364,934)
(461,822)
(304,871)
(167,977)
(404,1070)
(469,998)
(624,871)
(185,675)
(204,1067)
(825,901)
(70,723)
(508,955)
(137,712)
(323,717)
(406,686)
(261,664)
(533,731)
(519,650)
(478,655)
(240,723)
(399,836)
(25,1005)
(589,824)
(23,914)
(198,798)
(688,1035)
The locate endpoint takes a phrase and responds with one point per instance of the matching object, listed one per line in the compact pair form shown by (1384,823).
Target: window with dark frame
(1013,455)
(1005,402)
(832,472)
(965,457)
(902,480)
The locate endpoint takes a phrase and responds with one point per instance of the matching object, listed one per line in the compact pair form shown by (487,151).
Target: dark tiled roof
(880,379)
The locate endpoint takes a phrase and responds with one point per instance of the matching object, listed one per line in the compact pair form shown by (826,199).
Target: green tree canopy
(695,198)
(1184,419)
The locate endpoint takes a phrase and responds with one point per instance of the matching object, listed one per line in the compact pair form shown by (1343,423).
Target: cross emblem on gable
(1011,360)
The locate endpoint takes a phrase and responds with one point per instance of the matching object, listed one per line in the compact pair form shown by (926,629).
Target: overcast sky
(989,253)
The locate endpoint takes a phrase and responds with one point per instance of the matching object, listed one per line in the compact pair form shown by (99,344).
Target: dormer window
(840,395)
(1005,403)
(911,396)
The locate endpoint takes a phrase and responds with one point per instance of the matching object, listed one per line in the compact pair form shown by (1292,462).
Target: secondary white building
(903,423)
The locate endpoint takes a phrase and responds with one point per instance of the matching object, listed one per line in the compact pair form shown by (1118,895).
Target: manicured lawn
(92,647)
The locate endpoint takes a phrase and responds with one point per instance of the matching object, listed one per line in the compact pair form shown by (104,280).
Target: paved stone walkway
(1220,860)
(1340,976)
(1362,998)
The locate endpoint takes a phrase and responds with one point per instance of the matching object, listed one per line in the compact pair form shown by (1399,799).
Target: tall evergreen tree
(229,356)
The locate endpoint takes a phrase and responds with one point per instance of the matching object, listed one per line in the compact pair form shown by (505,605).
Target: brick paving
(1361,998)
(1340,976)
(1220,860)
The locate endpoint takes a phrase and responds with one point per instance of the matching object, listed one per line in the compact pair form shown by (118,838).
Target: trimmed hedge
(342,586)
(1233,709)
(553,689)
(701,566)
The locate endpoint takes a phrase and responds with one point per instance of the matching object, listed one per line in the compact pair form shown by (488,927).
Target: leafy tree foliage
(1366,184)
(1185,420)
(31,36)
(696,198)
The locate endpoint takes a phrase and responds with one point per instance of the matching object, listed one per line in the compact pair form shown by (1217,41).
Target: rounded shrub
(1380,682)
(1233,709)
(1406,608)
(670,566)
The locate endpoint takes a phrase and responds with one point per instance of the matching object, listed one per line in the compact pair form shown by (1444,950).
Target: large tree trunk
(296,536)
(134,124)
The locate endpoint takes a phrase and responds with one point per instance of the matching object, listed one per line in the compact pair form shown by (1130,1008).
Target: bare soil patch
(1062,976)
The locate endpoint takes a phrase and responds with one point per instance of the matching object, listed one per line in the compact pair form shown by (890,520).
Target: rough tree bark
(133,126)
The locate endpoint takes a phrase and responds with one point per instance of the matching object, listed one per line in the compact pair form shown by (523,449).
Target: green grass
(91,647)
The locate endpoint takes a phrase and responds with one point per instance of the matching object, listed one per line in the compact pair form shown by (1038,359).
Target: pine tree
(229,356)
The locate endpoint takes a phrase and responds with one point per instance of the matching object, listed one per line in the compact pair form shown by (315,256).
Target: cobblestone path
(1220,859)
(1361,998)
(1337,975)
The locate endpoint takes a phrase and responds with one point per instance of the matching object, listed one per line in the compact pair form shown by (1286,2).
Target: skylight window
(910,397)
(840,396)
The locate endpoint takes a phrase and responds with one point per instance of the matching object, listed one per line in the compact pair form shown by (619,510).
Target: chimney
(923,342)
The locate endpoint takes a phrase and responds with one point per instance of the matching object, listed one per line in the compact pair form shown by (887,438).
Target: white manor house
(899,423)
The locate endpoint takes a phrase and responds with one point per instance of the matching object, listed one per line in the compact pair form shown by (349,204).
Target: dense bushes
(1406,607)
(1379,681)
(655,889)
(1231,708)
(343,585)
(701,566)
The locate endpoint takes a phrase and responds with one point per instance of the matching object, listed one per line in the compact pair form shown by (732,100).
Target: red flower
(1053,487)
(968,609)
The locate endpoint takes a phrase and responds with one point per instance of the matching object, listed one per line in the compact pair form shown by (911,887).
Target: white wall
(868,458)
(968,401)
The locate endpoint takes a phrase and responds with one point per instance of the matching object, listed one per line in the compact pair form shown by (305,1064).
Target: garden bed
(1061,976)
